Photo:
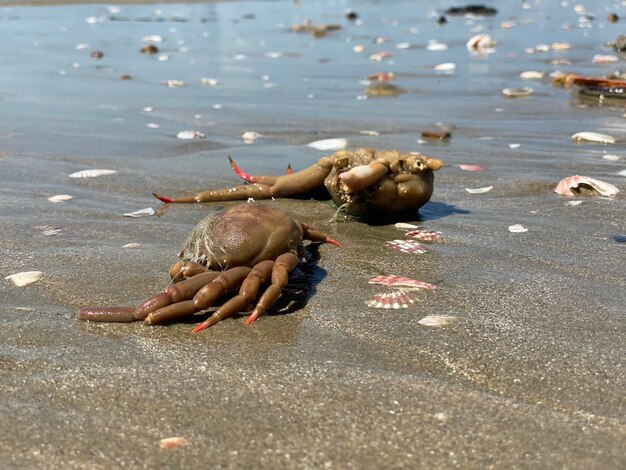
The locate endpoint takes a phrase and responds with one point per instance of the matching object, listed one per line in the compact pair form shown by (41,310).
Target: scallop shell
(92,173)
(593,137)
(424,235)
(565,186)
(407,246)
(397,281)
(392,300)
(24,278)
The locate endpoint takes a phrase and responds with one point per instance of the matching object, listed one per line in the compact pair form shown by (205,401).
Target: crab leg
(263,187)
(360,177)
(185,270)
(284,264)
(107,314)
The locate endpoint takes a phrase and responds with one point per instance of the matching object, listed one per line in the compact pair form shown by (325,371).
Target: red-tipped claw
(242,174)
(334,242)
(253,316)
(200,327)
(163,198)
(289,170)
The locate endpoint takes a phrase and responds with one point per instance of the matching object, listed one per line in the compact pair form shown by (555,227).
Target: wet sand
(529,374)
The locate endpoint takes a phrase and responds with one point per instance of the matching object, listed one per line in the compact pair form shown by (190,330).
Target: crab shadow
(429,211)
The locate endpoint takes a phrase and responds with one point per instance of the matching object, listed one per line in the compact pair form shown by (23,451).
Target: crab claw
(242,174)
(163,198)
(253,316)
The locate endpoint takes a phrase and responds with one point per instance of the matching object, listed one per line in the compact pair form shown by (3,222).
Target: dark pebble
(441,19)
(352,15)
(149,49)
(126,77)
(97,55)
(612,18)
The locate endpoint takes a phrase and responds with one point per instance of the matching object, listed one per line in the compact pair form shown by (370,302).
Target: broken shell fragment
(92,173)
(438,320)
(407,246)
(531,75)
(24,278)
(329,144)
(140,213)
(424,235)
(445,67)
(172,442)
(468,167)
(400,281)
(518,228)
(517,92)
(566,185)
(483,190)
(593,137)
(190,135)
(480,41)
(60,198)
(392,300)
(250,136)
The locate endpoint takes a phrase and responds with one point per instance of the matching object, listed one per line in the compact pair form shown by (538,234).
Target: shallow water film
(487,331)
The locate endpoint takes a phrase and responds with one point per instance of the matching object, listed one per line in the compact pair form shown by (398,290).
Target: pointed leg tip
(333,242)
(242,174)
(163,198)
(199,328)
(250,319)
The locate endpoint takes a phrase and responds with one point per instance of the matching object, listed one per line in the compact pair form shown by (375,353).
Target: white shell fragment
(400,281)
(60,198)
(329,144)
(604,59)
(405,226)
(565,186)
(435,46)
(445,67)
(174,83)
(132,245)
(407,246)
(190,135)
(531,75)
(209,81)
(152,38)
(517,92)
(24,278)
(518,228)
(482,190)
(250,136)
(593,137)
(480,41)
(611,158)
(140,213)
(92,173)
(438,320)
(392,300)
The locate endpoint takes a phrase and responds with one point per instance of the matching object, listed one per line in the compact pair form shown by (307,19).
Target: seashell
(574,203)
(174,83)
(445,67)
(92,173)
(480,41)
(517,92)
(60,198)
(622,173)
(250,136)
(190,135)
(209,81)
(405,226)
(604,59)
(593,137)
(164,58)
(393,281)
(368,132)
(611,158)
(152,125)
(359,48)
(438,320)
(435,46)
(152,38)
(466,167)
(82,45)
(132,245)
(392,300)
(424,235)
(140,213)
(514,146)
(329,144)
(531,75)
(482,190)
(171,442)
(49,230)
(379,56)
(565,186)
(382,76)
(24,278)
(560,46)
(518,228)
(407,246)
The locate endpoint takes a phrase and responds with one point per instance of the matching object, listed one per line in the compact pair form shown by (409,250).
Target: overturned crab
(363,182)
(242,249)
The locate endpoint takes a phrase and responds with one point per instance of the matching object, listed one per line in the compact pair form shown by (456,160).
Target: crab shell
(405,185)
(242,236)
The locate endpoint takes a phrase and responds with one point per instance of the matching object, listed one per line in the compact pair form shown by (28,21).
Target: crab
(242,248)
(364,182)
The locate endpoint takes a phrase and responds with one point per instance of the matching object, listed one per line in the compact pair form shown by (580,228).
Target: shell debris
(190,135)
(392,300)
(593,137)
(517,228)
(24,278)
(172,442)
(482,190)
(92,173)
(424,235)
(468,167)
(438,321)
(329,144)
(140,213)
(407,246)
(401,281)
(517,92)
(565,186)
(60,198)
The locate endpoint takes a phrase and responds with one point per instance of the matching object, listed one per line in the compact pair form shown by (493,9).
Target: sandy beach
(524,367)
